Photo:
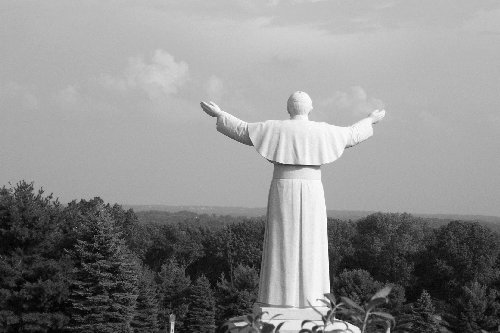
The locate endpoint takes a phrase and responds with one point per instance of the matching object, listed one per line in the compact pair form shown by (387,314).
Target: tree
(33,286)
(387,244)
(421,317)
(359,285)
(461,253)
(104,279)
(228,247)
(146,309)
(201,315)
(340,247)
(173,285)
(478,307)
(236,298)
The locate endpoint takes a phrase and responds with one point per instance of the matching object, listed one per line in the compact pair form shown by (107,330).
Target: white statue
(294,267)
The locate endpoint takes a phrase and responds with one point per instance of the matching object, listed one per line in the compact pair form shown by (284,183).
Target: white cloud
(214,88)
(355,100)
(163,76)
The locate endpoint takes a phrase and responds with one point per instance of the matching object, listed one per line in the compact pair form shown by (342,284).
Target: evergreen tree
(421,317)
(237,298)
(173,287)
(146,309)
(477,308)
(32,273)
(104,280)
(201,315)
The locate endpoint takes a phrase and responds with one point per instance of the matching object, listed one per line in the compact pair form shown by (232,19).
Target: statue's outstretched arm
(363,129)
(227,124)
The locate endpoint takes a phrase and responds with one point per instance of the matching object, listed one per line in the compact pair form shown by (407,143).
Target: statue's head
(299,103)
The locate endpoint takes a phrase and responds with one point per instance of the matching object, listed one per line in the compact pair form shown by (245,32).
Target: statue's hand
(377,116)
(211,109)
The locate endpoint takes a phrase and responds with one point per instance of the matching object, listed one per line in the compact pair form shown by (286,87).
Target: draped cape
(299,142)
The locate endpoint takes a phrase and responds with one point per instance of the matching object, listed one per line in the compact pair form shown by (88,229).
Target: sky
(101,98)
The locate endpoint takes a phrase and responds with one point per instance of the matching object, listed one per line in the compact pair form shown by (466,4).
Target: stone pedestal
(293,318)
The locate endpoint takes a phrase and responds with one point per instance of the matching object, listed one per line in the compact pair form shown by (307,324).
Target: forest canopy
(91,266)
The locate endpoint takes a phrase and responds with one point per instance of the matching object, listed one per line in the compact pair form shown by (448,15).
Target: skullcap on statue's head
(299,103)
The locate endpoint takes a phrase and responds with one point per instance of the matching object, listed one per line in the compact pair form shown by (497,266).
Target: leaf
(315,328)
(340,322)
(275,316)
(385,315)
(279,327)
(351,303)
(267,328)
(316,310)
(326,302)
(305,322)
(259,316)
(382,293)
(236,319)
(331,298)
(305,330)
(373,303)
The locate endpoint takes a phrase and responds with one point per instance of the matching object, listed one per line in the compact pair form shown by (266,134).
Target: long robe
(294,270)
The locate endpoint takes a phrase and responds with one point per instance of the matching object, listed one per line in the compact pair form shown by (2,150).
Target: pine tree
(419,317)
(236,298)
(146,309)
(201,315)
(104,280)
(173,287)
(32,273)
(477,308)
(425,315)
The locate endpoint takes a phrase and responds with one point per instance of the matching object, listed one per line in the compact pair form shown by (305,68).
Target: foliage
(478,307)
(420,317)
(340,247)
(461,253)
(173,290)
(32,277)
(201,315)
(387,244)
(236,298)
(366,316)
(358,285)
(83,261)
(104,280)
(228,247)
(146,310)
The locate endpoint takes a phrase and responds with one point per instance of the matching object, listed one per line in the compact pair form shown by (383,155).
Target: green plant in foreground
(253,324)
(367,315)
(364,317)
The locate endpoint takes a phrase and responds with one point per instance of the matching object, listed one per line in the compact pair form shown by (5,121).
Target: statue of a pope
(294,267)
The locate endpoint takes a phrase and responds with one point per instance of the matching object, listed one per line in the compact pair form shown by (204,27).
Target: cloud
(214,88)
(163,76)
(355,100)
(20,95)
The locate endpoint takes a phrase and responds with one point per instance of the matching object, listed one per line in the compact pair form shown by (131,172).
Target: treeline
(89,266)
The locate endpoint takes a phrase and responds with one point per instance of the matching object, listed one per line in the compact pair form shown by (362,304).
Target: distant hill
(492,222)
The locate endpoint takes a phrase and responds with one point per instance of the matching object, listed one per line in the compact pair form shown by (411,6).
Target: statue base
(293,318)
